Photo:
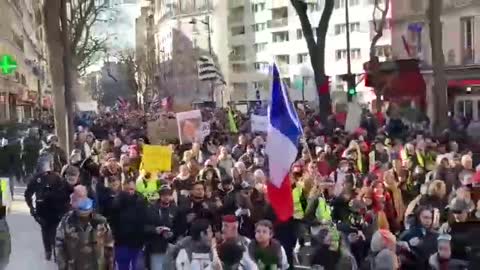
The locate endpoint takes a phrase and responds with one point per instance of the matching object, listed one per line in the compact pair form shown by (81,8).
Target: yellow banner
(156,158)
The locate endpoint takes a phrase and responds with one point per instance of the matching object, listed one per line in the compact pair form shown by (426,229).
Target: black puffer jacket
(128,220)
(159,216)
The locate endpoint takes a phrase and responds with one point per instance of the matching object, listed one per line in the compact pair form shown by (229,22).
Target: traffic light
(351,87)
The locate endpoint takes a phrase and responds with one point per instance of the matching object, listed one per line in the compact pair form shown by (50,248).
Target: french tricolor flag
(283,135)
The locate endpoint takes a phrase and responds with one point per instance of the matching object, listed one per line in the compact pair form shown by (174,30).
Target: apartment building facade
(22,38)
(246,36)
(184,30)
(460,27)
(262,31)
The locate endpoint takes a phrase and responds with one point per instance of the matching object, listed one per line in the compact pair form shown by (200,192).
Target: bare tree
(53,34)
(316,48)
(84,46)
(378,26)
(71,48)
(127,57)
(440,121)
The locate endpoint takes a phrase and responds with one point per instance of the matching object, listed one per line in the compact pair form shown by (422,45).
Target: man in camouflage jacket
(84,240)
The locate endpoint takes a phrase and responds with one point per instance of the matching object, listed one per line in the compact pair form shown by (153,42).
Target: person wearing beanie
(75,250)
(442,259)
(386,260)
(383,247)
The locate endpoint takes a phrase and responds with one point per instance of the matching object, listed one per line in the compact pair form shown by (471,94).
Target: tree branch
(378,30)
(301,9)
(322,30)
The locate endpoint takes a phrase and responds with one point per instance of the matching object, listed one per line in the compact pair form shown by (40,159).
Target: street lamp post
(207,23)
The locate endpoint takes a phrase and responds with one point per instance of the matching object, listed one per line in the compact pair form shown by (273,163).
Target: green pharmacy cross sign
(7,64)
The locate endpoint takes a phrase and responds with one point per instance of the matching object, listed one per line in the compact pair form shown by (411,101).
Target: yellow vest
(323,212)
(148,188)
(298,212)
(420,159)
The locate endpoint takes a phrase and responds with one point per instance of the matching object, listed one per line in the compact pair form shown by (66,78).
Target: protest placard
(259,123)
(163,128)
(189,126)
(157,158)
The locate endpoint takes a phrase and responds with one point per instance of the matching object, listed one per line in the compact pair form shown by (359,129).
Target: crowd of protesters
(382,197)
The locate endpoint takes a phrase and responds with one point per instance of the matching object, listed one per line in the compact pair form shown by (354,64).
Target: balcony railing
(277,23)
(237,57)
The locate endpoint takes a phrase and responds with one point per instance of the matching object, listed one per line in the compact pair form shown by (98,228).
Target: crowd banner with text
(259,123)
(189,126)
(156,158)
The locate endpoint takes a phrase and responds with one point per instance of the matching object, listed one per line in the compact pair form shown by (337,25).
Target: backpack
(187,259)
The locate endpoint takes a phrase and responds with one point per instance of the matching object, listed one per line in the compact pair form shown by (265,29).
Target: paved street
(26,239)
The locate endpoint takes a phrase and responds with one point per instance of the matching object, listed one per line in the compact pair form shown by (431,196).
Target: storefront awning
(406,84)
(463,83)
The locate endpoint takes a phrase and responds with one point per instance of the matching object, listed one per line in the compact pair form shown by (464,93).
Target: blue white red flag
(283,136)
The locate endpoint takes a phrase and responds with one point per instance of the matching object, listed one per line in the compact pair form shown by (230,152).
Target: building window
(261,66)
(287,81)
(302,58)
(342,28)
(356,54)
(467,28)
(280,37)
(260,47)
(239,67)
(342,54)
(260,85)
(355,27)
(240,86)
(237,30)
(259,27)
(258,7)
(383,51)
(283,59)
(238,53)
(339,4)
(311,7)
(299,34)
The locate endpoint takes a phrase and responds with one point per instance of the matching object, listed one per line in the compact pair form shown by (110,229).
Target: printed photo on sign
(189,126)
